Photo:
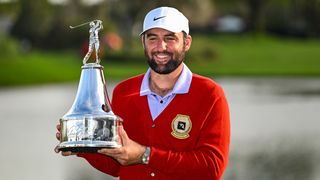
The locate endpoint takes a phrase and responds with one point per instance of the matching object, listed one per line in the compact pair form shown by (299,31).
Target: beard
(174,62)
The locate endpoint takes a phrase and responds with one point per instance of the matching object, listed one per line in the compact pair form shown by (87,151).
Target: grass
(210,55)
(259,56)
(38,67)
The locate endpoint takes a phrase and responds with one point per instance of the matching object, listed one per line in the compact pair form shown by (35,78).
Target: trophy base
(83,149)
(86,146)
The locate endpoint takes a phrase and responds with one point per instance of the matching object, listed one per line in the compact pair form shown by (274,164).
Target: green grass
(259,56)
(209,56)
(37,67)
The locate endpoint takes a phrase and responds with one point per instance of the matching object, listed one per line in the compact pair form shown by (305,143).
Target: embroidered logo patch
(181,126)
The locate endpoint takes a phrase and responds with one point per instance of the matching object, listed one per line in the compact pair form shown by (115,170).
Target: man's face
(165,50)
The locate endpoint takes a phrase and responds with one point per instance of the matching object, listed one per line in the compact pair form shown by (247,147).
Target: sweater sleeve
(209,159)
(102,163)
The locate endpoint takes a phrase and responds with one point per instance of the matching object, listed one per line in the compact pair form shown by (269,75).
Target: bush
(9,47)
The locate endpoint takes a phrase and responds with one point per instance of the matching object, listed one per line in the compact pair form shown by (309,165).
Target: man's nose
(162,45)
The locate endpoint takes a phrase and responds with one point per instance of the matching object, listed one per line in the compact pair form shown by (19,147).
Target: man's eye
(152,39)
(170,38)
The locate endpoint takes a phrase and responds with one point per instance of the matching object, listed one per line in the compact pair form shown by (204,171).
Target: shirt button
(161,101)
(153,125)
(152,174)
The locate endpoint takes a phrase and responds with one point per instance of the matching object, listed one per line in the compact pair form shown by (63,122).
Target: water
(275,128)
(274,122)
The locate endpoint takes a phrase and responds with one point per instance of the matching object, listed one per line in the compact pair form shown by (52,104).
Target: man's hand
(130,153)
(58,135)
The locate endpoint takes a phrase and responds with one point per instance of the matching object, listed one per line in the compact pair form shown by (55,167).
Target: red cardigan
(189,139)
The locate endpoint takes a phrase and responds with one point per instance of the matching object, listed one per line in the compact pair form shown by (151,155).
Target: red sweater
(189,139)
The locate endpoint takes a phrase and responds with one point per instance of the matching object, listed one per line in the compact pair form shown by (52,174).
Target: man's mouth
(162,57)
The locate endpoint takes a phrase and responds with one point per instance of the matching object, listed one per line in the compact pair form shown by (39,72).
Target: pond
(275,128)
(274,125)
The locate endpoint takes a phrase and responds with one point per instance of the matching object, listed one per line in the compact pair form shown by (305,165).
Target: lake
(274,124)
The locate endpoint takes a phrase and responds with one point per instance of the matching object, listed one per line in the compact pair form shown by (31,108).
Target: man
(95,27)
(176,123)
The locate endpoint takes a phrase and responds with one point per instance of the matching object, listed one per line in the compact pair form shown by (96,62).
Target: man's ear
(188,42)
(142,41)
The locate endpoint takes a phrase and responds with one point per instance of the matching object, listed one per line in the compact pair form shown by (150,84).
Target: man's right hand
(58,135)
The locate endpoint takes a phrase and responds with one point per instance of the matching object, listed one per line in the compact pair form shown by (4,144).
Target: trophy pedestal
(81,149)
(89,134)
(86,146)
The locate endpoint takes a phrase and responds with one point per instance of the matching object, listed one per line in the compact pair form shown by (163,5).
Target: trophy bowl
(88,134)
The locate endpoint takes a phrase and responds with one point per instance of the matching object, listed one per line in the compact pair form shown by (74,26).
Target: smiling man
(176,123)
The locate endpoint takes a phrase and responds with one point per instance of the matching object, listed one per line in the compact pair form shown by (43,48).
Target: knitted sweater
(189,139)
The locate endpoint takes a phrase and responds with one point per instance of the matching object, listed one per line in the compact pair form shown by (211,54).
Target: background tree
(45,25)
(33,20)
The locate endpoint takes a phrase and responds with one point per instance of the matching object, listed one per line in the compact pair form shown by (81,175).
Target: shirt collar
(181,87)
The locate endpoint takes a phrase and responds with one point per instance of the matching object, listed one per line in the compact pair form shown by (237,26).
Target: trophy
(90,124)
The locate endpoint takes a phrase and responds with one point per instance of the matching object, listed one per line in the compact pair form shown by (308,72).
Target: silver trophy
(90,124)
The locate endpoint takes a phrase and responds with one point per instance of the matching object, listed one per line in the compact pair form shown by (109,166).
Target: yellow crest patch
(181,126)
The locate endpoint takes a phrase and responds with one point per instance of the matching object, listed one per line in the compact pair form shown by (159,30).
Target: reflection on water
(280,159)
(275,131)
(275,127)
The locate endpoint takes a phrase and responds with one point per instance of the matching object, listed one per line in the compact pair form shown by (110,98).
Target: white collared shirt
(157,103)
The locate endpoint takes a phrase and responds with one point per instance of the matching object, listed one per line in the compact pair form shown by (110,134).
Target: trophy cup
(90,124)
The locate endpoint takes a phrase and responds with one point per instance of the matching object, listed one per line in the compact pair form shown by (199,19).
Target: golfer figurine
(95,27)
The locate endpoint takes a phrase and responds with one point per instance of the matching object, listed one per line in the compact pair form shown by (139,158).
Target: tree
(33,20)
(128,15)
